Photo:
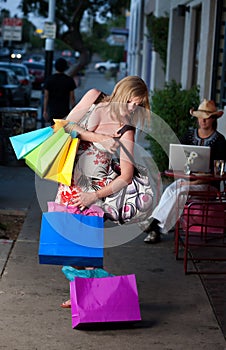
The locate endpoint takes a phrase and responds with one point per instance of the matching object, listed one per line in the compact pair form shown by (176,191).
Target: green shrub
(158,28)
(170,119)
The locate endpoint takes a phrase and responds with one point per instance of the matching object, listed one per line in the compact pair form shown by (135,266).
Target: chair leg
(186,243)
(176,239)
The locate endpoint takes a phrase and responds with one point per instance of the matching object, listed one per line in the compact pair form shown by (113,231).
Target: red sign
(15,22)
(12,29)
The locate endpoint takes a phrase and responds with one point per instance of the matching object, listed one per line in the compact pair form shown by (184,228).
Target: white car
(102,67)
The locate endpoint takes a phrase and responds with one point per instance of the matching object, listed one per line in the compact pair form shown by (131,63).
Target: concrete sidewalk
(176,313)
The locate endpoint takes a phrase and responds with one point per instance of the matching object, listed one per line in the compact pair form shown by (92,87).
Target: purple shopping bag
(108,299)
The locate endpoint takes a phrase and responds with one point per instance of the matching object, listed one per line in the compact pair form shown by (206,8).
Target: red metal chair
(200,231)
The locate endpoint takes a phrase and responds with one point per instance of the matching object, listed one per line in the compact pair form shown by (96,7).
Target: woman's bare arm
(107,141)
(83,105)
(85,199)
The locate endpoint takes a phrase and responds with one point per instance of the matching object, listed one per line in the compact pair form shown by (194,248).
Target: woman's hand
(109,143)
(84,199)
(70,128)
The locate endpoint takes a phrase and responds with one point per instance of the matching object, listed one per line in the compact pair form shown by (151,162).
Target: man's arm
(72,99)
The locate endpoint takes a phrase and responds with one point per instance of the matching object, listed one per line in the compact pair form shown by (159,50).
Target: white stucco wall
(180,54)
(181,45)
(157,73)
(222,123)
(135,38)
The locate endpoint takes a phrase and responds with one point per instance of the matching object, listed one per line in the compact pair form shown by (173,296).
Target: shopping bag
(59,123)
(24,143)
(108,299)
(42,157)
(93,210)
(62,167)
(71,239)
(70,273)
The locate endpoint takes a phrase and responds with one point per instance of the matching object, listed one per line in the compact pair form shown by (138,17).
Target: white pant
(166,212)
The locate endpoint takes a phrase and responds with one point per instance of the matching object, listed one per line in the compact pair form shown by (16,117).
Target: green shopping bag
(42,157)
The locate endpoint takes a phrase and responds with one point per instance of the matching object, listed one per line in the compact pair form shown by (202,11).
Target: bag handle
(131,158)
(121,132)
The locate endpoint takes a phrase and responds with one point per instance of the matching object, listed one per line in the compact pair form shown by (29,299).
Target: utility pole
(50,32)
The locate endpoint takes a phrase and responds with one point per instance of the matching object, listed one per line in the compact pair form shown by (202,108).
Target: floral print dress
(90,169)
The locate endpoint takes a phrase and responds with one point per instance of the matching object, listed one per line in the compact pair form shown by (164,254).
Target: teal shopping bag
(25,143)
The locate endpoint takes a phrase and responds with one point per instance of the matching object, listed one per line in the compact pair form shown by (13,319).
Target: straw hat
(206,109)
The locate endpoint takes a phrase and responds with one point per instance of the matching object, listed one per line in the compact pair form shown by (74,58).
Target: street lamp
(49,32)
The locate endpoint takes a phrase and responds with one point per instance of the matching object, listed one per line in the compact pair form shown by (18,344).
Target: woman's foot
(66,304)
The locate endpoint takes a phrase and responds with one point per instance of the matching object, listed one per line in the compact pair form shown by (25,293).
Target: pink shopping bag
(108,299)
(93,210)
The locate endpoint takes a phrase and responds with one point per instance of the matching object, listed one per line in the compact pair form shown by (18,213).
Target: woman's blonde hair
(125,90)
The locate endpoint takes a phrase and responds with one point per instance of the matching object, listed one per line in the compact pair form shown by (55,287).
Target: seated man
(163,217)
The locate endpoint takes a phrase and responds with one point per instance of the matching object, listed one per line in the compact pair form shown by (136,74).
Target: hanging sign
(49,30)
(12,29)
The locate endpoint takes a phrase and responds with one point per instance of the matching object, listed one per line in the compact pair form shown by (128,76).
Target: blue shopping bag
(71,239)
(24,143)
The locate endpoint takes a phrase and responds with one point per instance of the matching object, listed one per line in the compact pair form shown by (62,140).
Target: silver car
(24,77)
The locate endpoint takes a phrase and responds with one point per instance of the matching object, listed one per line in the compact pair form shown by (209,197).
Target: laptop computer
(178,154)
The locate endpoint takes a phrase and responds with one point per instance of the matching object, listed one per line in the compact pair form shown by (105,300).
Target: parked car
(69,56)
(11,93)
(102,67)
(36,58)
(17,54)
(67,53)
(24,77)
(4,52)
(37,70)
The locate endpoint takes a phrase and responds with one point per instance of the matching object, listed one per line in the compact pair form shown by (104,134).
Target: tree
(69,13)
(172,105)
(96,42)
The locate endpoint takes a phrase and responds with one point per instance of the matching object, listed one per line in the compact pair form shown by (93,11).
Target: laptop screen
(178,154)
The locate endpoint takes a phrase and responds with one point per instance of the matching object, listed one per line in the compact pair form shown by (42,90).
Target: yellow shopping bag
(62,167)
(42,157)
(59,123)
